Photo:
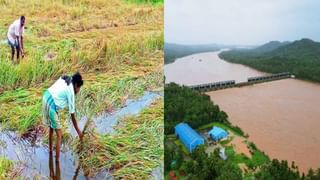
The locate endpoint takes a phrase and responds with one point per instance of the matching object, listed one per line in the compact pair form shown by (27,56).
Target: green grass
(116,55)
(20,109)
(227,141)
(146,1)
(258,158)
(6,167)
(182,147)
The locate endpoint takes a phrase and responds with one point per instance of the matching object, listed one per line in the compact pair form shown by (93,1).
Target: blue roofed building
(217,133)
(189,137)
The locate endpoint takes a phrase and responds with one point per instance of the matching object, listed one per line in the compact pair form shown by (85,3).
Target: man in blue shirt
(60,95)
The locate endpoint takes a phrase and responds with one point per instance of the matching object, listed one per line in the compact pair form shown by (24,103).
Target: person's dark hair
(22,18)
(67,79)
(76,79)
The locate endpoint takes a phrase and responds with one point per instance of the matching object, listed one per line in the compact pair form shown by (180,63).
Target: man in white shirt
(60,95)
(15,37)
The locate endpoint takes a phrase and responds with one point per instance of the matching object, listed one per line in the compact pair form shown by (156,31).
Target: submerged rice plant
(133,152)
(8,169)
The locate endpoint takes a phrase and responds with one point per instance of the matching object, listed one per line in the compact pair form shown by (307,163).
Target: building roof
(187,131)
(218,132)
(189,137)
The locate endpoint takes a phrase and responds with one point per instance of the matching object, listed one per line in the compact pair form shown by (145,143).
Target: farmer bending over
(58,96)
(15,38)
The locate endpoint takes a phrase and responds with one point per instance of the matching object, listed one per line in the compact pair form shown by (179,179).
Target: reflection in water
(190,71)
(76,173)
(33,158)
(54,174)
(106,122)
(80,161)
(51,167)
(281,118)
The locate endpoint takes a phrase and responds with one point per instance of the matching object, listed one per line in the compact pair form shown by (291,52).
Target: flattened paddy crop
(117,45)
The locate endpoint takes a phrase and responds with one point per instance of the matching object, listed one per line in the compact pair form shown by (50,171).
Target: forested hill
(270,46)
(301,58)
(174,51)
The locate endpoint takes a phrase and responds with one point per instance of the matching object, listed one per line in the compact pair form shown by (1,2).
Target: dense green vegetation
(147,1)
(278,170)
(174,51)
(204,166)
(185,105)
(199,165)
(301,58)
(172,152)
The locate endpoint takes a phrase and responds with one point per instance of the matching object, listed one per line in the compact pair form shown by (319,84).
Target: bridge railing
(269,77)
(213,86)
(232,83)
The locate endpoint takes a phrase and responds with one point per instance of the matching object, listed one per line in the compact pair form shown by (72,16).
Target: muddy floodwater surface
(206,68)
(281,117)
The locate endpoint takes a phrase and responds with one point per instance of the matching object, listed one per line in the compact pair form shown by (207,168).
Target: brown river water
(206,68)
(281,117)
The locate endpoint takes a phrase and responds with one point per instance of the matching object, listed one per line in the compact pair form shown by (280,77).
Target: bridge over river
(232,83)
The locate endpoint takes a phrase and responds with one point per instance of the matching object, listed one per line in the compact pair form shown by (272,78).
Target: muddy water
(105,123)
(281,117)
(205,68)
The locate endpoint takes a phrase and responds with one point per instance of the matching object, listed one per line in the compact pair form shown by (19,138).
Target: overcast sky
(240,22)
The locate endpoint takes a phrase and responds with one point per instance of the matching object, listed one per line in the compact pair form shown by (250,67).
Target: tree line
(185,105)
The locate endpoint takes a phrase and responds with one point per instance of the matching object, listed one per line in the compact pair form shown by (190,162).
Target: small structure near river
(189,137)
(217,133)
